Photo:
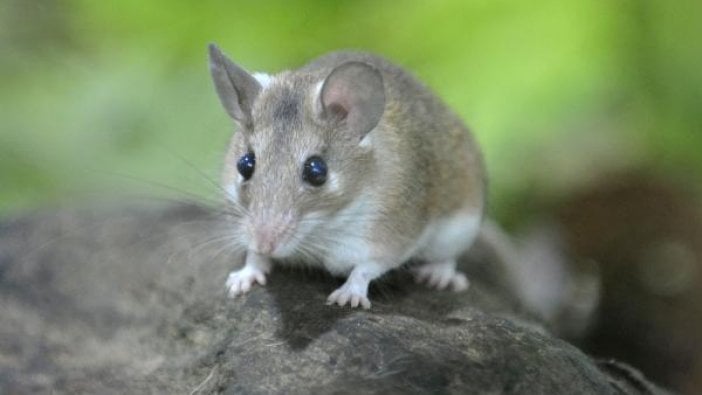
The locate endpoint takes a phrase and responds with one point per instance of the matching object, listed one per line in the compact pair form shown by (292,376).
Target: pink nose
(268,235)
(265,241)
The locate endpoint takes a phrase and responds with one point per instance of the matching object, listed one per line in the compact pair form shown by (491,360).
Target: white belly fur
(441,240)
(447,238)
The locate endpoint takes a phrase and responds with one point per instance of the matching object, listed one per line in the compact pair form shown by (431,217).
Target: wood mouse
(349,163)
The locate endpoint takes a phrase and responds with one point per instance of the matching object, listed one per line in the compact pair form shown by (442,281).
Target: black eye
(246,165)
(315,171)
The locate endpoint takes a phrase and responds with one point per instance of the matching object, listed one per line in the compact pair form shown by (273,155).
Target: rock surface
(132,301)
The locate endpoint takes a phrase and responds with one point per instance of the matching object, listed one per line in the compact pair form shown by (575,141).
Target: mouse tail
(548,283)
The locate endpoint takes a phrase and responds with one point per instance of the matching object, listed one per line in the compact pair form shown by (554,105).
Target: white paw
(240,281)
(348,293)
(441,275)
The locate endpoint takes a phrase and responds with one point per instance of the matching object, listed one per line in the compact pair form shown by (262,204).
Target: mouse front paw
(240,281)
(347,294)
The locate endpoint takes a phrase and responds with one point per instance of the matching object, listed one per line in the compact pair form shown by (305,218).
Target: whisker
(233,249)
(214,240)
(171,188)
(201,173)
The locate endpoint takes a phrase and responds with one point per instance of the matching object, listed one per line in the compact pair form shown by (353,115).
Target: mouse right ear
(355,94)
(236,88)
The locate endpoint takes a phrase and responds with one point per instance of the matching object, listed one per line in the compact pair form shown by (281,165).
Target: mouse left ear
(354,93)
(237,89)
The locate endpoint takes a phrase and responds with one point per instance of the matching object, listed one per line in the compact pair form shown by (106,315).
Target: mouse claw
(343,296)
(240,281)
(260,278)
(339,297)
(459,282)
(442,282)
(441,275)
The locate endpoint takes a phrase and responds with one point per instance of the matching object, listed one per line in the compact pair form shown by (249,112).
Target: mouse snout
(269,235)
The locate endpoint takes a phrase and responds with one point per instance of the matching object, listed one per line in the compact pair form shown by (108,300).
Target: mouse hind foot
(441,275)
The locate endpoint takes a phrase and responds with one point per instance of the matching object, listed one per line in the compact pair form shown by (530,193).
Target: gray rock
(132,301)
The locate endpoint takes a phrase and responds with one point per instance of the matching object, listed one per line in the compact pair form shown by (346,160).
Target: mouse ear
(236,88)
(354,92)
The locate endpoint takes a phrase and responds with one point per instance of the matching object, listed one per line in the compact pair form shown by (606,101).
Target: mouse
(348,163)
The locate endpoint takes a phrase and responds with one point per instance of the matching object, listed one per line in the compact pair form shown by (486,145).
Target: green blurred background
(103,98)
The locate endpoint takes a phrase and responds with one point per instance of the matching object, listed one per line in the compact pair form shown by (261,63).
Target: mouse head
(301,155)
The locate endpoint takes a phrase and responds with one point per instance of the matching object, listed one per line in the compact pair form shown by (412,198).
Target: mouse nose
(270,234)
(264,241)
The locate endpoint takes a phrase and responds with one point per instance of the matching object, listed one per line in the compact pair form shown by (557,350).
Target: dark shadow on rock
(300,295)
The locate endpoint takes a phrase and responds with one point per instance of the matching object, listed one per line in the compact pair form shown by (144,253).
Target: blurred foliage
(108,97)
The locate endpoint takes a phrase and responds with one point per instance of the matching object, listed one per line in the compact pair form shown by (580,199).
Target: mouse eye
(246,165)
(314,171)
